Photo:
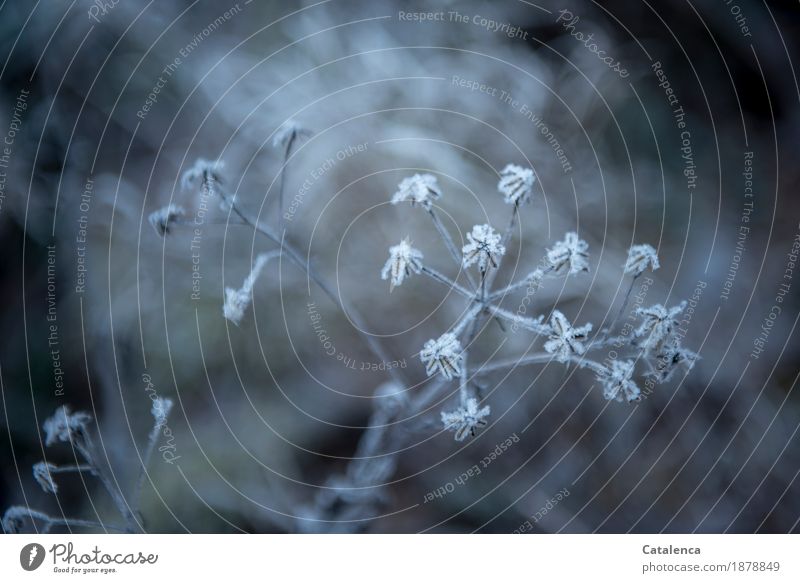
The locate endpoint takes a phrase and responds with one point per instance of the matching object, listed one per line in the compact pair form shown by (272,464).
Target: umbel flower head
(238,300)
(163,219)
(442,355)
(288,132)
(671,358)
(657,325)
(465,419)
(639,257)
(516,184)
(617,383)
(205,174)
(564,339)
(42,474)
(64,425)
(418,189)
(569,256)
(403,259)
(483,247)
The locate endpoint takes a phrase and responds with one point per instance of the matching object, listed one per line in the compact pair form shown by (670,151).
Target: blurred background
(640,121)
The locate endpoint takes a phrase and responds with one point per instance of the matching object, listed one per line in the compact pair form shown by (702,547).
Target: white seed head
(288,132)
(617,383)
(160,410)
(569,256)
(43,476)
(403,260)
(418,189)
(442,355)
(163,219)
(483,247)
(516,184)
(639,257)
(238,300)
(465,419)
(64,425)
(205,174)
(658,324)
(671,358)
(565,340)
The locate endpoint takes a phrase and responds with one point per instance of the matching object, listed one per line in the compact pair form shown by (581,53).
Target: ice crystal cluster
(654,346)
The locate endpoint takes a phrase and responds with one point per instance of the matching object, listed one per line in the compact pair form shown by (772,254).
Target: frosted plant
(73,428)
(64,425)
(465,419)
(164,218)
(442,355)
(43,474)
(617,382)
(205,174)
(566,341)
(658,324)
(418,189)
(483,247)
(403,260)
(671,358)
(639,257)
(569,256)
(238,300)
(516,184)
(287,133)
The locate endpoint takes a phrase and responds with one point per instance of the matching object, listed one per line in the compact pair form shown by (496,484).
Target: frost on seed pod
(163,219)
(64,425)
(43,476)
(565,340)
(465,419)
(639,257)
(617,383)
(288,132)
(483,247)
(516,184)
(205,174)
(418,189)
(569,256)
(442,355)
(658,324)
(403,260)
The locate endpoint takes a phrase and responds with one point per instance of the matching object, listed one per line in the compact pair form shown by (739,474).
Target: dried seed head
(288,132)
(617,383)
(238,300)
(205,174)
(639,257)
(483,247)
(442,355)
(465,419)
(403,260)
(418,189)
(569,256)
(565,340)
(163,219)
(516,184)
(671,358)
(658,324)
(160,410)
(42,474)
(63,425)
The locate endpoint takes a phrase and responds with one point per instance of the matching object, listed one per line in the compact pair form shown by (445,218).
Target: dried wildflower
(288,132)
(516,184)
(657,325)
(617,383)
(465,419)
(483,246)
(63,425)
(238,300)
(420,188)
(160,410)
(163,219)
(564,339)
(569,256)
(639,257)
(443,355)
(14,519)
(42,474)
(204,173)
(671,358)
(403,259)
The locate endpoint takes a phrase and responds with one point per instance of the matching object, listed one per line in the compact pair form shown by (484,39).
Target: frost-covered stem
(622,307)
(75,468)
(539,358)
(286,152)
(78,522)
(524,282)
(306,266)
(504,242)
(448,242)
(432,273)
(152,440)
(471,314)
(132,525)
(527,323)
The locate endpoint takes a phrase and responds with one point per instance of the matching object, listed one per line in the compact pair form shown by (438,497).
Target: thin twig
(622,307)
(286,152)
(448,242)
(433,274)
(539,358)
